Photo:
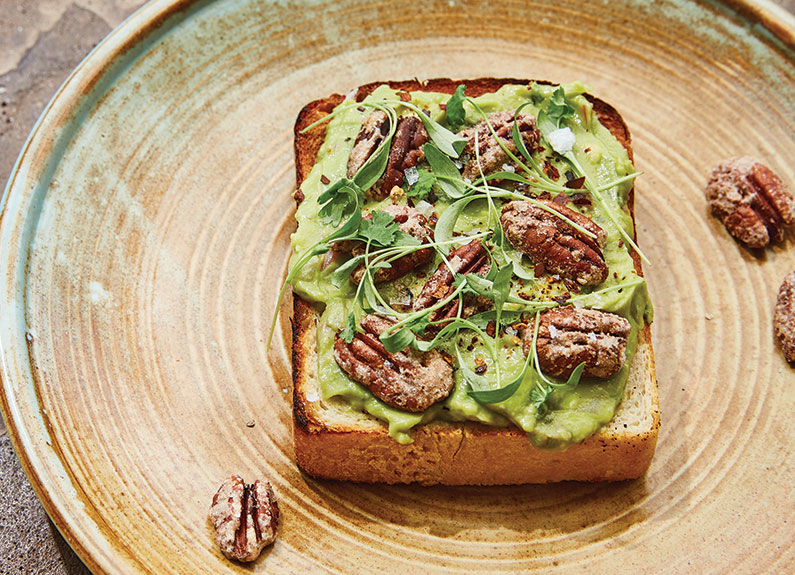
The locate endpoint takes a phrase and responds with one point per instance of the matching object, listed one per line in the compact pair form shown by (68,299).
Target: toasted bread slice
(333,441)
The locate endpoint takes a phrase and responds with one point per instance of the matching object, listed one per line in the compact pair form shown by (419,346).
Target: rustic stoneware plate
(145,233)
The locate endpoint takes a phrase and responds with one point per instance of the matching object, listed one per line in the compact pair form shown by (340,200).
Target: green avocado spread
(565,414)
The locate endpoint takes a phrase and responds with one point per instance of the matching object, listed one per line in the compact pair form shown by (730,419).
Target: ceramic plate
(145,233)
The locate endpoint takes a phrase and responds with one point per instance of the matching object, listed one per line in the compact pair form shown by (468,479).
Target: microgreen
(558,107)
(454,110)
(420,189)
(380,229)
(349,332)
(448,178)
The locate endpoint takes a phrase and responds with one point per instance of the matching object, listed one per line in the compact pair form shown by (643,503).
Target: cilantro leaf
(349,332)
(379,230)
(422,187)
(456,115)
(559,108)
(340,199)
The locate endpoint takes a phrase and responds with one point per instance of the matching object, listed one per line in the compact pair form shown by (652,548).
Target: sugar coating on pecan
(751,201)
(491,154)
(411,222)
(245,518)
(569,336)
(470,258)
(550,240)
(784,317)
(408,380)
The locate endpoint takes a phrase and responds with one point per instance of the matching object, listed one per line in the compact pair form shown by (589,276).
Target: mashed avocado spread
(564,414)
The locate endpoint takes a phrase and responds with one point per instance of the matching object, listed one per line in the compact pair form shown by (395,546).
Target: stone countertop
(41,41)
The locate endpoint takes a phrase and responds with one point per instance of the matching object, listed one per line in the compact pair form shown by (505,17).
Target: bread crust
(444,452)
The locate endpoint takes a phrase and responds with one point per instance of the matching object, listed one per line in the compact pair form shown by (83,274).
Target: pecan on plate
(411,222)
(551,241)
(470,258)
(751,201)
(492,156)
(245,518)
(784,318)
(568,336)
(405,151)
(409,379)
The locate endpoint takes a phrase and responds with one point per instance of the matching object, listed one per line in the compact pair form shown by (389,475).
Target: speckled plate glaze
(145,232)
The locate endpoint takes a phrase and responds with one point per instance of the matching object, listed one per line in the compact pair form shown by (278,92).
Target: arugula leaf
(349,332)
(559,108)
(448,178)
(454,110)
(343,273)
(422,187)
(369,173)
(446,224)
(399,340)
(496,395)
(574,378)
(447,141)
(379,230)
(501,287)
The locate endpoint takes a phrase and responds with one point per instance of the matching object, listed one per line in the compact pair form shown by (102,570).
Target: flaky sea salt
(562,140)
(412,175)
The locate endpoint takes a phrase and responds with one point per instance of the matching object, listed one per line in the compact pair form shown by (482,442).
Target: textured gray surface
(41,41)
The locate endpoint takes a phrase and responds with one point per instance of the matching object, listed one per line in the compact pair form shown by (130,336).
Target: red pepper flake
(481,366)
(551,171)
(571,285)
(586,150)
(361,108)
(576,183)
(539,269)
(324,179)
(404,96)
(621,243)
(615,275)
(544,196)
(561,199)
(563,298)
(433,219)
(581,200)
(491,328)
(443,107)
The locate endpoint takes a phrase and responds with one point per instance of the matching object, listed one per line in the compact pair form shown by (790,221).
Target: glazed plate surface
(145,233)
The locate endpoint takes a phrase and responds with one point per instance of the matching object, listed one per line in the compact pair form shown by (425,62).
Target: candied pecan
(411,222)
(784,318)
(408,379)
(405,151)
(492,156)
(470,258)
(751,201)
(245,518)
(549,240)
(374,130)
(568,336)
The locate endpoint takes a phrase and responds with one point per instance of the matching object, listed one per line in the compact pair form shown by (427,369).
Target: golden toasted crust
(360,449)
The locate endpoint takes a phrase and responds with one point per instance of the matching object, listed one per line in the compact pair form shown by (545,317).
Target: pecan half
(374,130)
(568,336)
(751,201)
(411,222)
(551,241)
(408,380)
(405,151)
(492,156)
(784,318)
(470,258)
(245,518)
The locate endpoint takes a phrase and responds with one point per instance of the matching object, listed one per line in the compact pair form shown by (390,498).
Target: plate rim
(139,30)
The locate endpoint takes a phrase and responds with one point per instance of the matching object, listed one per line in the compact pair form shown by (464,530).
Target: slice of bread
(333,441)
